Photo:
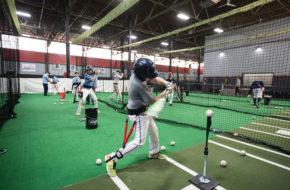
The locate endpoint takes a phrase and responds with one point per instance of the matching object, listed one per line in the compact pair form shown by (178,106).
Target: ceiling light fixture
(86,27)
(218,30)
(164,43)
(259,49)
(221,54)
(133,37)
(183,16)
(24,14)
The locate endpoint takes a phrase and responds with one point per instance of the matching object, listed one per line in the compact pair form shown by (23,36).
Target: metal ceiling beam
(162,12)
(12,8)
(230,13)
(58,23)
(121,8)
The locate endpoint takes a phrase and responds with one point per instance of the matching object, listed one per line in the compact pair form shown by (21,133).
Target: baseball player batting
(90,81)
(140,97)
(257,88)
(116,90)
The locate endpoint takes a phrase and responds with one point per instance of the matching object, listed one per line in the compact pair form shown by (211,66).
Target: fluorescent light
(106,47)
(218,30)
(25,35)
(183,16)
(259,49)
(221,54)
(20,13)
(86,27)
(164,43)
(133,37)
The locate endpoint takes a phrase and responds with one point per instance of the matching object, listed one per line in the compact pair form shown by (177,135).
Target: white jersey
(117,77)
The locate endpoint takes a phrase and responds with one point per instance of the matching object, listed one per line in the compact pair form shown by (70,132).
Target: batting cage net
(243,75)
(9,77)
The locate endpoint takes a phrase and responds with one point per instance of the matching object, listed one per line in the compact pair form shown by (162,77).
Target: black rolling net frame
(9,77)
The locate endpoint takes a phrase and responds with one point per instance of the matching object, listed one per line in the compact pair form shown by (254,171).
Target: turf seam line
(188,170)
(265,149)
(277,119)
(251,155)
(190,187)
(120,184)
(262,124)
(264,132)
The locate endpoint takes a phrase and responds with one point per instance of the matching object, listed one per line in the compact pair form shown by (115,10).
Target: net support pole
(67,45)
(170,55)
(122,66)
(201,180)
(111,64)
(46,58)
(198,70)
(129,48)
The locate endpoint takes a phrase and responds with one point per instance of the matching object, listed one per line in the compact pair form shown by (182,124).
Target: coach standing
(45,80)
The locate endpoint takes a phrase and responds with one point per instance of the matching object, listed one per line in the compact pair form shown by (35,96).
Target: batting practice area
(224,122)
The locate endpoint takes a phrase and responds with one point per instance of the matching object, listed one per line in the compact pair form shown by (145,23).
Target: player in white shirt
(116,90)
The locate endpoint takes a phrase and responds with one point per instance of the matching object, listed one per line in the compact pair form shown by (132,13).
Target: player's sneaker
(157,156)
(257,105)
(110,166)
(78,114)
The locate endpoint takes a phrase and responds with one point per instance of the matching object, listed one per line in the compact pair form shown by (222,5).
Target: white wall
(34,85)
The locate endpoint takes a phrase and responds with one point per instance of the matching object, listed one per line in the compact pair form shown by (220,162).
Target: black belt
(85,86)
(116,83)
(76,83)
(137,111)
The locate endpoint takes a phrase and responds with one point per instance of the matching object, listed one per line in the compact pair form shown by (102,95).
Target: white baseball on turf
(61,103)
(54,102)
(98,161)
(223,163)
(243,153)
(209,113)
(163,148)
(236,134)
(172,143)
(253,117)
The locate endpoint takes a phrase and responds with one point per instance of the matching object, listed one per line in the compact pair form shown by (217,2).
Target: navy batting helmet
(144,68)
(89,68)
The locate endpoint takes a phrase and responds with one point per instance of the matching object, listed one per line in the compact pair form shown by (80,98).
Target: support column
(198,70)
(67,45)
(170,55)
(46,59)
(129,48)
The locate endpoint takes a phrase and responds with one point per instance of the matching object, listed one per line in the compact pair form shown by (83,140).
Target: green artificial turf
(48,147)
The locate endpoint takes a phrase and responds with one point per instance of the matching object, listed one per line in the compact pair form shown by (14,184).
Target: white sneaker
(78,114)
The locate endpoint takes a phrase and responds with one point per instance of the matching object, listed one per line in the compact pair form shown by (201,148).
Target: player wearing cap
(257,87)
(140,98)
(45,80)
(75,86)
(171,80)
(90,81)
(116,90)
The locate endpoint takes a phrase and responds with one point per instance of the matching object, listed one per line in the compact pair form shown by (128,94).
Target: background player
(171,80)
(116,90)
(139,98)
(257,88)
(76,86)
(45,80)
(90,81)
(54,84)
(238,86)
